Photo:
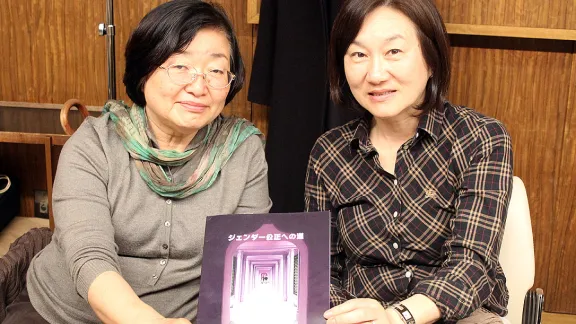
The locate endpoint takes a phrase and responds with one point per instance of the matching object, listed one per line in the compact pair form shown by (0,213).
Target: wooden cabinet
(32,159)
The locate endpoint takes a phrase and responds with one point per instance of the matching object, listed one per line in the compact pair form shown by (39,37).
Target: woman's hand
(360,311)
(175,321)
(163,320)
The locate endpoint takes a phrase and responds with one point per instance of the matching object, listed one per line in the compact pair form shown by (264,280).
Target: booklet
(265,269)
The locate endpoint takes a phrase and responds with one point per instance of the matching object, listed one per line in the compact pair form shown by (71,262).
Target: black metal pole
(111,49)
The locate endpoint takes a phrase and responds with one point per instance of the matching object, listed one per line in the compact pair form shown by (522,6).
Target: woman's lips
(380,96)
(193,106)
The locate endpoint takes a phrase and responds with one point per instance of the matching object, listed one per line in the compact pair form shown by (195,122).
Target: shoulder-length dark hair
(167,30)
(431,34)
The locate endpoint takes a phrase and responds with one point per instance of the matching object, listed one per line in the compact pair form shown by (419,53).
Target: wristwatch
(404,313)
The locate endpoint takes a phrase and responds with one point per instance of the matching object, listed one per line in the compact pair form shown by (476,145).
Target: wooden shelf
(59,140)
(24,138)
(507,31)
(33,105)
(47,141)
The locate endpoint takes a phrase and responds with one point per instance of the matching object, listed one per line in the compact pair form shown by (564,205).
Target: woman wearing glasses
(134,186)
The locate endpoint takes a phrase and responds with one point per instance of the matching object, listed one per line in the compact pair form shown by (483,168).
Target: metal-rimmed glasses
(183,74)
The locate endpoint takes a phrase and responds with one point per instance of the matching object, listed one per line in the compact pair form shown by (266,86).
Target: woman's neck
(168,139)
(394,131)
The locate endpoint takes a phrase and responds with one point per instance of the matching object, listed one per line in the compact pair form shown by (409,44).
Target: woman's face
(384,65)
(184,109)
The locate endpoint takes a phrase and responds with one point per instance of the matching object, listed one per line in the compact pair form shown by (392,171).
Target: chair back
(517,251)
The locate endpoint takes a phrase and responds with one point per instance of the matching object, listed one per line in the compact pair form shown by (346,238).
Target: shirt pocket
(430,214)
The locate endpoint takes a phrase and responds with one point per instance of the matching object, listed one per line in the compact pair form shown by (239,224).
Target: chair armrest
(533,307)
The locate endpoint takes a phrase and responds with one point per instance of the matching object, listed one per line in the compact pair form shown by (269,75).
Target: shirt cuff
(88,272)
(452,296)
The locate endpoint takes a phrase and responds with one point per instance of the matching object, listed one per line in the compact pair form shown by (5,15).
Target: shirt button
(167,224)
(417,134)
(408,274)
(395,245)
(154,276)
(163,262)
(395,214)
(395,182)
(169,179)
(165,246)
(168,201)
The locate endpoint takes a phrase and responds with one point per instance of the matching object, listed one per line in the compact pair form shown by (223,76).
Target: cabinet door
(51,51)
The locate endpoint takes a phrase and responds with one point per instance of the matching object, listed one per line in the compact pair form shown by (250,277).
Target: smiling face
(384,65)
(184,109)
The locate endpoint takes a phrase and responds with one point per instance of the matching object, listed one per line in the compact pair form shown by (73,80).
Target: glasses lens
(181,74)
(217,78)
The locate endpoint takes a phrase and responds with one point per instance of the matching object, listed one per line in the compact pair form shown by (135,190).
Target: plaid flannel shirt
(434,227)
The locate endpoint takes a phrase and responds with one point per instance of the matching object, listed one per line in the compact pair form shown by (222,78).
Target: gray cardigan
(107,219)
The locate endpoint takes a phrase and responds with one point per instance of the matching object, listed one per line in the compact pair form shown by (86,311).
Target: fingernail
(327,314)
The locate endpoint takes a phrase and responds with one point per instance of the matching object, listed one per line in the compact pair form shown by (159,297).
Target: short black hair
(168,29)
(431,35)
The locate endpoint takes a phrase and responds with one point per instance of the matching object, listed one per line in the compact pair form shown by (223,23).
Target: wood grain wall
(52,52)
(526,84)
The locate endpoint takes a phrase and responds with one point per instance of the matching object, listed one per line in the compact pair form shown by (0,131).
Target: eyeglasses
(183,74)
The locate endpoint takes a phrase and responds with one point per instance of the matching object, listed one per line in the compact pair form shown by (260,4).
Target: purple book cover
(265,268)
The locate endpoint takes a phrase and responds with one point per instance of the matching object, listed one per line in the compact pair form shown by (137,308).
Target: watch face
(406,315)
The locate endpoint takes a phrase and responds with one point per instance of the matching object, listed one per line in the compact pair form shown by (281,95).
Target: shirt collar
(430,123)
(360,136)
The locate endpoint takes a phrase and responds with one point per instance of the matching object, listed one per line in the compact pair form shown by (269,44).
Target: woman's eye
(394,51)
(358,55)
(216,71)
(179,67)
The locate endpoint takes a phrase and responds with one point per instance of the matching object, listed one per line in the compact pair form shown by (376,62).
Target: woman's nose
(378,71)
(198,86)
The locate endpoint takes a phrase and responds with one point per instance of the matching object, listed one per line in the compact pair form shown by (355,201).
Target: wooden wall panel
(55,54)
(45,121)
(561,282)
(51,51)
(557,14)
(525,84)
(260,117)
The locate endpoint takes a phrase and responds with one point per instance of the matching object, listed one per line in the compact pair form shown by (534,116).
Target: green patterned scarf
(221,138)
